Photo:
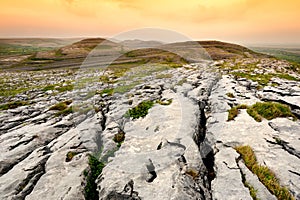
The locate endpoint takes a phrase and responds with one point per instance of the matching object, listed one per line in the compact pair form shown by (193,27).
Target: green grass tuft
(264,174)
(108,91)
(234,111)
(96,167)
(269,110)
(58,87)
(253,192)
(61,105)
(14,104)
(141,110)
(62,108)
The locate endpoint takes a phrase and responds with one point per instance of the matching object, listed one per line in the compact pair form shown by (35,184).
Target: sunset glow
(261,21)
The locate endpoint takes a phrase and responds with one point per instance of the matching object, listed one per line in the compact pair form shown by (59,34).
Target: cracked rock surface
(183,148)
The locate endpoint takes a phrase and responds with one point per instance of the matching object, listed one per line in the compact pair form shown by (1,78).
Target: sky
(242,21)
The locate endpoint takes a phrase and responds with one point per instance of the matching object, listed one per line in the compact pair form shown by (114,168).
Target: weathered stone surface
(184,150)
(228,182)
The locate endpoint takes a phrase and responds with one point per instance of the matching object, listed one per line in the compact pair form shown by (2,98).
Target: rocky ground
(158,132)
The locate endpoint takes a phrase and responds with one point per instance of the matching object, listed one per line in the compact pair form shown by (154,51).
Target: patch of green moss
(13,91)
(64,112)
(141,110)
(286,77)
(62,108)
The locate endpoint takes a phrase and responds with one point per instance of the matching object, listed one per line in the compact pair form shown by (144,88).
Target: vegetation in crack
(252,190)
(269,110)
(95,169)
(14,104)
(61,105)
(141,110)
(264,174)
(234,111)
(63,108)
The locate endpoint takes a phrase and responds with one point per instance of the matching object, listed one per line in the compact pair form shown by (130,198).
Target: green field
(11,49)
(291,54)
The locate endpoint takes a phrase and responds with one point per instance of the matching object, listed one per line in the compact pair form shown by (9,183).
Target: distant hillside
(72,55)
(222,50)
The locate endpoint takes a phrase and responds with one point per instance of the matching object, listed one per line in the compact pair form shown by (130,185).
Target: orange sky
(245,21)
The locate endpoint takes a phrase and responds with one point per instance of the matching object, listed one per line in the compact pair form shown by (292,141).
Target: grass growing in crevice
(262,79)
(251,190)
(64,112)
(95,169)
(269,110)
(141,110)
(14,104)
(234,111)
(264,174)
(61,105)
(260,110)
(63,108)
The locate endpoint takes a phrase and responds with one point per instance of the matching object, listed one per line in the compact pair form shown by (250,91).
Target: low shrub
(119,137)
